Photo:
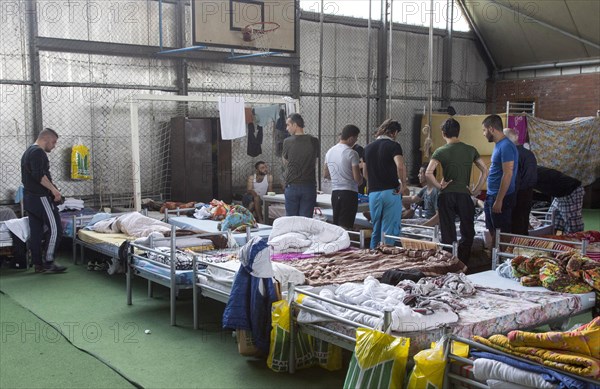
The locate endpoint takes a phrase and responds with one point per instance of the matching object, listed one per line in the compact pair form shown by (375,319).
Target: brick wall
(557,98)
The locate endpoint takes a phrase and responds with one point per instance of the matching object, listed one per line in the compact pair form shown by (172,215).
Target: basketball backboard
(220,23)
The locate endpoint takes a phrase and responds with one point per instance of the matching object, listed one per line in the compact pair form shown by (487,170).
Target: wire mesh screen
(16,134)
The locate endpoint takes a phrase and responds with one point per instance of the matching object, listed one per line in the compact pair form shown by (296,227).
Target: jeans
(300,200)
(386,212)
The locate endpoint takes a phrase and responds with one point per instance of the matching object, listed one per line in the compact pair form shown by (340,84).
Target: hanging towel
(233,118)
(290,105)
(264,115)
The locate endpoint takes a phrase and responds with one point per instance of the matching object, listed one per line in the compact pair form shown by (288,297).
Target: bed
(177,218)
(323,202)
(169,262)
(214,272)
(506,306)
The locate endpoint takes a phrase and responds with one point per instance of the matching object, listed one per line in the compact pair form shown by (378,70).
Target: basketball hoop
(260,34)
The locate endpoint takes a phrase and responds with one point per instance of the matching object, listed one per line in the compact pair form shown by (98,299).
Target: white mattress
(191,223)
(491,279)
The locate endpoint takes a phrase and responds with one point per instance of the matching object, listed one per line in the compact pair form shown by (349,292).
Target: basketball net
(260,35)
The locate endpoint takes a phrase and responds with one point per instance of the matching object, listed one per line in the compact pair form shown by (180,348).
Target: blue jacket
(249,305)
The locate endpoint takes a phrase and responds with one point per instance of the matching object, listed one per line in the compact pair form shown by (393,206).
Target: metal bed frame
(452,378)
(134,253)
(498,254)
(320,331)
(223,296)
(78,223)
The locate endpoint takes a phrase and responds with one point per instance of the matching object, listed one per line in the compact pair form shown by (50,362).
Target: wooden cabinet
(200,161)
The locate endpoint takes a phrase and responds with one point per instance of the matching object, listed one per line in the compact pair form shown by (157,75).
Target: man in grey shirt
(300,153)
(342,167)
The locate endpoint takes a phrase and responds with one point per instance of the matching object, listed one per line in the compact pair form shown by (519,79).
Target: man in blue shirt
(501,182)
(526,180)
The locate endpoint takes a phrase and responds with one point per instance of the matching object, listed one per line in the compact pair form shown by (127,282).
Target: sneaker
(53,267)
(39,268)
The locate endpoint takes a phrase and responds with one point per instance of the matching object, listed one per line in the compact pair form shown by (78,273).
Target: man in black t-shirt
(40,201)
(568,198)
(386,178)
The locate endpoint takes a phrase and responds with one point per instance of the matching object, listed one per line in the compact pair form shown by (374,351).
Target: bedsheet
(507,307)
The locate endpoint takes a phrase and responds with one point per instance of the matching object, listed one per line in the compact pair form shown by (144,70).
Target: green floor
(102,341)
(105,338)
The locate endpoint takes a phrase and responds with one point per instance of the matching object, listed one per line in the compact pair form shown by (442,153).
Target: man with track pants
(41,198)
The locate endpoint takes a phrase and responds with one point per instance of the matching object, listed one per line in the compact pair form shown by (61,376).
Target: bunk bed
(500,309)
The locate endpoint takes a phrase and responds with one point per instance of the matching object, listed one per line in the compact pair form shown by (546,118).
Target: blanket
(375,297)
(356,265)
(568,361)
(132,224)
(572,146)
(304,235)
(583,340)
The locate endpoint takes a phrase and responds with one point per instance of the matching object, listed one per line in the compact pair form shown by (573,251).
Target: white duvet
(132,224)
(375,297)
(296,234)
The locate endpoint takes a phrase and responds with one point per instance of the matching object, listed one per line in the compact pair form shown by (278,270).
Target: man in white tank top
(257,185)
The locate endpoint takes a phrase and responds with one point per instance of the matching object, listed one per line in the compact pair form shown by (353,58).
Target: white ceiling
(532,32)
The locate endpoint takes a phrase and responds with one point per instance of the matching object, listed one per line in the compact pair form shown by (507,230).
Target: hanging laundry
(519,124)
(254,140)
(233,118)
(280,133)
(264,115)
(249,115)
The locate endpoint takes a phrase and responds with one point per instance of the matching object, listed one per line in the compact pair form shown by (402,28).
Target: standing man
(40,201)
(501,182)
(300,153)
(257,185)
(457,159)
(386,177)
(342,167)
(567,201)
(362,188)
(526,180)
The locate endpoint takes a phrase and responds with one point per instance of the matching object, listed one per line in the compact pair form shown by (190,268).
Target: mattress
(491,278)
(492,311)
(206,225)
(96,238)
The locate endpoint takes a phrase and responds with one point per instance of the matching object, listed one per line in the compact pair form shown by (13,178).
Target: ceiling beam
(465,11)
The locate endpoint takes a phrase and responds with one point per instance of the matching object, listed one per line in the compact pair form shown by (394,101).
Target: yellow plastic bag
(80,163)
(279,349)
(379,361)
(428,372)
(327,355)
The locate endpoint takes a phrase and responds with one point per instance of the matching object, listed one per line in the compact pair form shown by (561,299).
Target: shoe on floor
(53,267)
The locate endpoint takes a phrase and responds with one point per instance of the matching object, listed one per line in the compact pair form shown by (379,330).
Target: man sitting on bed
(427,199)
(257,185)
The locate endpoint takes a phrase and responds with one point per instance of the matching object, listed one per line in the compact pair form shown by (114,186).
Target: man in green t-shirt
(457,159)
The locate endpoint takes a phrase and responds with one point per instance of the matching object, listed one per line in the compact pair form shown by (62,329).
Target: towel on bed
(486,369)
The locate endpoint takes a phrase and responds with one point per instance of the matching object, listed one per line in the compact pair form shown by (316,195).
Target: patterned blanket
(573,352)
(572,147)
